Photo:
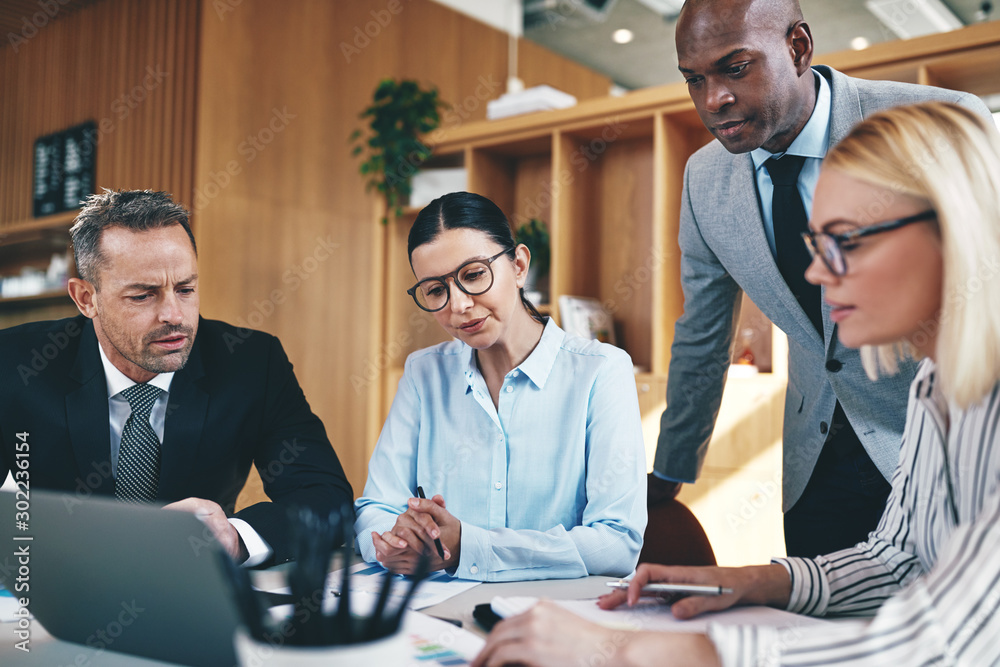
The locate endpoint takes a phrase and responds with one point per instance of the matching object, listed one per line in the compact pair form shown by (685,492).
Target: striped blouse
(929,575)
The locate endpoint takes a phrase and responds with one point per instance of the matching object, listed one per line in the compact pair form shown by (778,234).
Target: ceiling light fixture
(622,36)
(860,43)
(665,8)
(912,18)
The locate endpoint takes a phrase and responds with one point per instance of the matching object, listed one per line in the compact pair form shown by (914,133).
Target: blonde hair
(948,156)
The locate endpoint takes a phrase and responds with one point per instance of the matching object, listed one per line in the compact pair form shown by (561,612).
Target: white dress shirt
(119,411)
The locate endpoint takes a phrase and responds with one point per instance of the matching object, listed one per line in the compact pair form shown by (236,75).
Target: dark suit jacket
(235,402)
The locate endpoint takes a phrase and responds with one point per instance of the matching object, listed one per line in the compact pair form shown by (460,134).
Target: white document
(652,614)
(9,606)
(436,642)
(366,582)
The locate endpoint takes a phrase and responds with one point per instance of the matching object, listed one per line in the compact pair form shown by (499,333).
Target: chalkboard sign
(64,169)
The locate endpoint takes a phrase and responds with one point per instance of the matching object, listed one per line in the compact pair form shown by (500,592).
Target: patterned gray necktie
(139,455)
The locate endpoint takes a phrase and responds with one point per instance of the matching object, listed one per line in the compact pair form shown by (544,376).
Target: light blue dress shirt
(812,143)
(550,485)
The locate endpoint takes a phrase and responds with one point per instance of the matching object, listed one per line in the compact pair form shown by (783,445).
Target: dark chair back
(674,536)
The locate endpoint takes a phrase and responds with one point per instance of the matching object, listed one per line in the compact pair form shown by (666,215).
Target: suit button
(833,365)
(823,427)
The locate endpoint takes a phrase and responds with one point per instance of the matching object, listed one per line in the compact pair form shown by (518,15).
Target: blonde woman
(905,238)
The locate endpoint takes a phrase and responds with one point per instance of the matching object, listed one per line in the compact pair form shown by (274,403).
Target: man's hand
(416,529)
(660,490)
(213,516)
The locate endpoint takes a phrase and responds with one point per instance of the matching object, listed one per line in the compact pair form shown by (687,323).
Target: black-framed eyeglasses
(831,247)
(475,277)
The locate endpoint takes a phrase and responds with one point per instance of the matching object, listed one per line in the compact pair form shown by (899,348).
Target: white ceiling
(650,58)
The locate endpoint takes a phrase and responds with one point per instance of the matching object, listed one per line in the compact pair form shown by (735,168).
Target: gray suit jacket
(723,252)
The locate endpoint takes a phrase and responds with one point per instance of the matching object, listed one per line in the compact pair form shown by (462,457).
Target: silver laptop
(124,578)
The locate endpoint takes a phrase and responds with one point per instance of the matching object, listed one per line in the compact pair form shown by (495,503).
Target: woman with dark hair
(905,238)
(532,436)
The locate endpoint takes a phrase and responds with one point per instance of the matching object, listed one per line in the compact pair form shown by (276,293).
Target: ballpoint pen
(437,540)
(673,589)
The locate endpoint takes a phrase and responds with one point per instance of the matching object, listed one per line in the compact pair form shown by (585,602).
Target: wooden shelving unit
(606,175)
(31,243)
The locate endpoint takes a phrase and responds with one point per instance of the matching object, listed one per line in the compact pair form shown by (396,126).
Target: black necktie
(789,217)
(139,455)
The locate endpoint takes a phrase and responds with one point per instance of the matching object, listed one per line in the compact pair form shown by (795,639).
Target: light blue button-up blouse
(550,485)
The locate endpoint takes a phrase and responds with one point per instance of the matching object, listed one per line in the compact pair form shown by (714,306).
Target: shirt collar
(119,382)
(814,139)
(539,363)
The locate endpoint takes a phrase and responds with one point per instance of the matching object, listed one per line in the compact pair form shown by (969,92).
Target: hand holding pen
(707,588)
(426,524)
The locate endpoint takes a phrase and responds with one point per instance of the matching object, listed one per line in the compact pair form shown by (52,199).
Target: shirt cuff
(258,549)
(810,592)
(471,561)
(666,478)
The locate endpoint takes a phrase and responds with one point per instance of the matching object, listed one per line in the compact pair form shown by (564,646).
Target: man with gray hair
(146,401)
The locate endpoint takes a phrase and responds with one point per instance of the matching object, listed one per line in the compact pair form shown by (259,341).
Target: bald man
(747,64)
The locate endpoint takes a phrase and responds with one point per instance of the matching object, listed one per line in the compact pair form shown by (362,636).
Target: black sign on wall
(64,169)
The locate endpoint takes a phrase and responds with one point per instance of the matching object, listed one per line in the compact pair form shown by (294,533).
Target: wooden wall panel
(292,219)
(129,67)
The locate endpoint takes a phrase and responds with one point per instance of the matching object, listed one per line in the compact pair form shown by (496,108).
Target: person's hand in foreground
(424,520)
(754,585)
(213,516)
(659,491)
(547,635)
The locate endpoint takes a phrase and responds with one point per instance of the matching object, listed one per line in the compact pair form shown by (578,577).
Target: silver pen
(673,589)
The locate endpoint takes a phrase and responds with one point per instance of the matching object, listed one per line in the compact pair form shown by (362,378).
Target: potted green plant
(535,235)
(401,111)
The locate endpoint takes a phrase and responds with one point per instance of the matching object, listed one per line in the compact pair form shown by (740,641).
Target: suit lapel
(753,243)
(845,113)
(87,415)
(845,104)
(187,407)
